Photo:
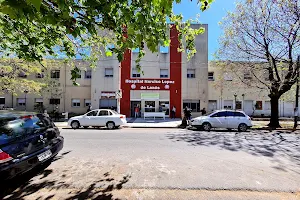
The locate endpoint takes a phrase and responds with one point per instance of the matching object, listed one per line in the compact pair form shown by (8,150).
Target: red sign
(149,84)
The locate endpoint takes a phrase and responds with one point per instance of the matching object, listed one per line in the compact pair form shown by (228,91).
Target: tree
(33,29)
(262,37)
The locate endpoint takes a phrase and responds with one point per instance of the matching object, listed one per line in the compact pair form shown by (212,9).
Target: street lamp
(243,95)
(26,92)
(235,95)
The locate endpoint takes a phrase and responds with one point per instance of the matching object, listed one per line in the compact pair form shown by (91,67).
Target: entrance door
(133,105)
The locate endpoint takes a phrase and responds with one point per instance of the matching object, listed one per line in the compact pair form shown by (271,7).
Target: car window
(92,113)
(229,114)
(12,128)
(110,113)
(103,113)
(239,114)
(219,114)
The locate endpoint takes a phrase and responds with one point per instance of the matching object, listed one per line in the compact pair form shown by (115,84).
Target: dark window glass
(239,114)
(230,114)
(92,113)
(54,101)
(103,113)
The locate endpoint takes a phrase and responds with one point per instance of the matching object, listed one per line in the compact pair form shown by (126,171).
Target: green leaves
(35,3)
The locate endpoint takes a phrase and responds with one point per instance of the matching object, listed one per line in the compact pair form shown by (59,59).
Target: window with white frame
(39,101)
(247,75)
(227,76)
(54,101)
(109,72)
(191,73)
(211,76)
(40,75)
(75,102)
(87,102)
(164,73)
(163,49)
(135,73)
(2,100)
(228,104)
(21,101)
(88,74)
(55,74)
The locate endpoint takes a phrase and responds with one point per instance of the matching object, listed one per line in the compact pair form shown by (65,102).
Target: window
(109,72)
(87,102)
(103,113)
(229,114)
(136,50)
(219,114)
(75,102)
(21,101)
(192,104)
(227,77)
(88,74)
(191,73)
(149,106)
(55,74)
(92,113)
(2,100)
(54,101)
(164,106)
(211,76)
(22,75)
(108,103)
(238,105)
(164,73)
(40,75)
(135,73)
(258,105)
(228,104)
(239,114)
(163,49)
(39,101)
(247,76)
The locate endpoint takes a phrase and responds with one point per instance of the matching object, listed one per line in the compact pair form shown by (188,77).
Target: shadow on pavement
(274,145)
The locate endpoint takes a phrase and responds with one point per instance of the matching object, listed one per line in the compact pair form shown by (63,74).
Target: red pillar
(125,74)
(175,72)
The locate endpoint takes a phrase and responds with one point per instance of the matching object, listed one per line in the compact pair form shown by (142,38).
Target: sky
(218,9)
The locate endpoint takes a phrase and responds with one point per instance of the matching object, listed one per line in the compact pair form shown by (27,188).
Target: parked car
(98,118)
(26,141)
(223,119)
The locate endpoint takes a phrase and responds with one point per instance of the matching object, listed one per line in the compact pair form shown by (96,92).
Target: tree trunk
(274,121)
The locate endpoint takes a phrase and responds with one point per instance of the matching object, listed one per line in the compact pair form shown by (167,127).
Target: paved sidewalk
(151,123)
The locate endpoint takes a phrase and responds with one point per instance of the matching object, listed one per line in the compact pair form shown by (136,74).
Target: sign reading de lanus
(145,81)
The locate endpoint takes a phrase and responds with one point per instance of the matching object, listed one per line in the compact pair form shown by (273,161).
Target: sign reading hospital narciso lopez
(149,84)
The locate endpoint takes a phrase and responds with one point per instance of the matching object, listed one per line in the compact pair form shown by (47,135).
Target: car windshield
(209,113)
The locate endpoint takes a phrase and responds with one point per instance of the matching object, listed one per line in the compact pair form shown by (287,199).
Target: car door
(90,118)
(232,120)
(240,118)
(218,120)
(102,117)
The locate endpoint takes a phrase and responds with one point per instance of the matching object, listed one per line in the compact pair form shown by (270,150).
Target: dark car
(26,141)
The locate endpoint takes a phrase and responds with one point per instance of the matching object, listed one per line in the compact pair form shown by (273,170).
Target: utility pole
(297,95)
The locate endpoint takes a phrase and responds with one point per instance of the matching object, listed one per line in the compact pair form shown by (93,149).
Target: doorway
(133,105)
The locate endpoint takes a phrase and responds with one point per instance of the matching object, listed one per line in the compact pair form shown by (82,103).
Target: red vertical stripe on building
(125,74)
(175,71)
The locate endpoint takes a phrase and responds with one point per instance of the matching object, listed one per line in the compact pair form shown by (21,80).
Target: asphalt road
(167,164)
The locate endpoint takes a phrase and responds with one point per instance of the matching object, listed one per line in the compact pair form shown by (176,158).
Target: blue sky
(190,9)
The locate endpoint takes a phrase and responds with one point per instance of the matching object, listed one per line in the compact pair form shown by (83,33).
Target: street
(167,164)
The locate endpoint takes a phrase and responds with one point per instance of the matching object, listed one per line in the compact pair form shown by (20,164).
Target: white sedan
(98,118)
(223,119)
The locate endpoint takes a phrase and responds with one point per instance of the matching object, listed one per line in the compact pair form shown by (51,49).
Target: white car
(98,118)
(223,119)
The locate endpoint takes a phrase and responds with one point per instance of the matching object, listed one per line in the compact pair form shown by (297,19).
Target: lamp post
(243,95)
(26,92)
(235,95)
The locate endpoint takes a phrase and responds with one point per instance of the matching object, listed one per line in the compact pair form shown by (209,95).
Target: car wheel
(75,124)
(85,127)
(242,127)
(110,125)
(206,126)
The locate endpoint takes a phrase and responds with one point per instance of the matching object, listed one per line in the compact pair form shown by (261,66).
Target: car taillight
(4,157)
(26,117)
(122,116)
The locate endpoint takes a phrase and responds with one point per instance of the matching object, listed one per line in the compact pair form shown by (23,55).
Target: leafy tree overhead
(33,29)
(262,37)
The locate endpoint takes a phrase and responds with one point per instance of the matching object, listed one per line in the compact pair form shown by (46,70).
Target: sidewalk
(174,123)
